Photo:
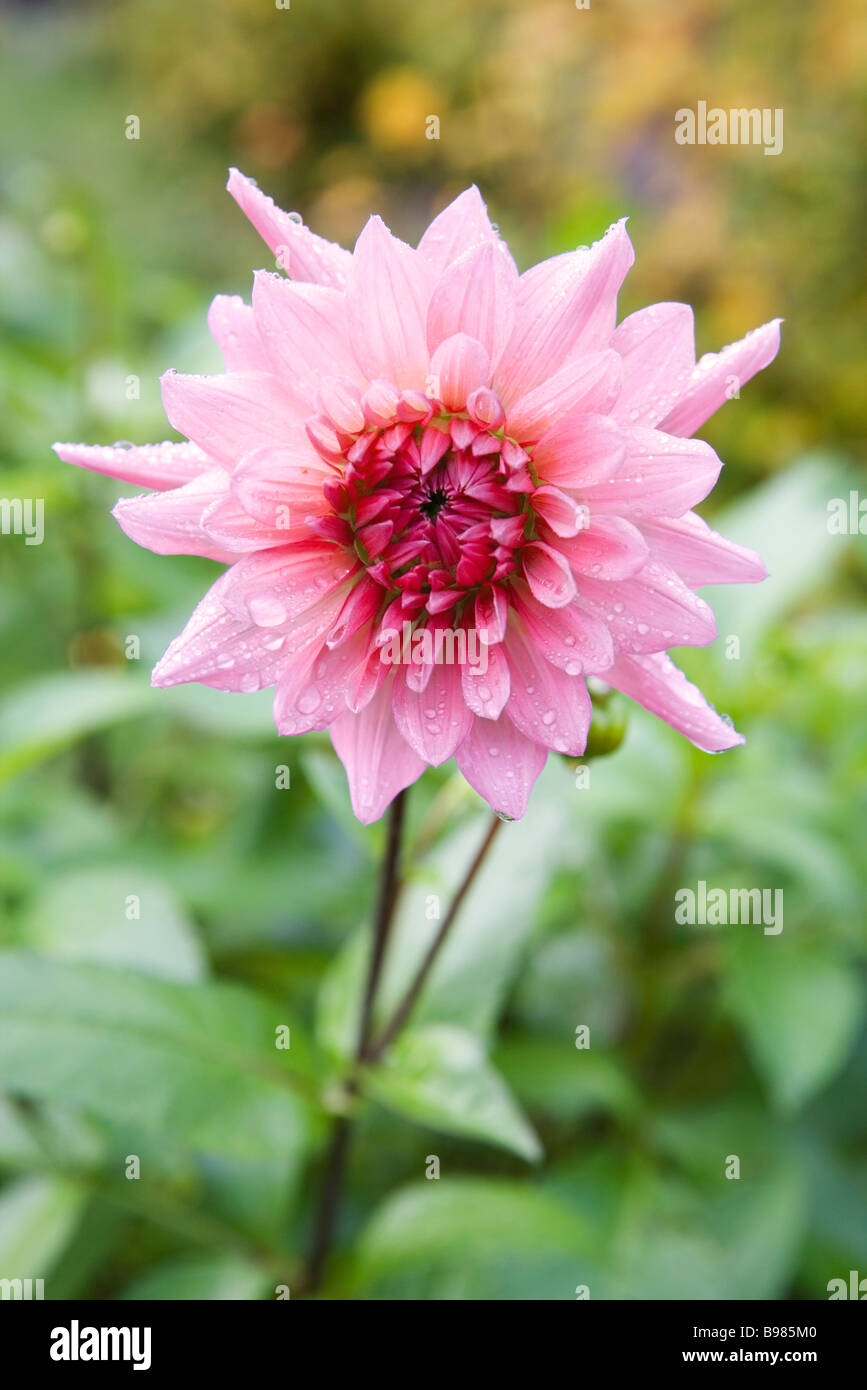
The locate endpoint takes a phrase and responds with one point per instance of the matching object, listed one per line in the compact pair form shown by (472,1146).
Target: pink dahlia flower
(446,494)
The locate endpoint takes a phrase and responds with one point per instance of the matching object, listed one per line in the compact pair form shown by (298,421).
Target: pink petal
(476,296)
(719,375)
(565,306)
(491,611)
(459,227)
(581,448)
(234,330)
(278,587)
(158,466)
(545,703)
(564,514)
(435,720)
(230,414)
(227,524)
(387,302)
(282,487)
(651,611)
(657,345)
(657,684)
(459,366)
(379,762)
(570,638)
(301,253)
(305,334)
(312,688)
(661,476)
(548,574)
(170,523)
(590,384)
(486,691)
(217,648)
(363,603)
(609,548)
(700,555)
(501,764)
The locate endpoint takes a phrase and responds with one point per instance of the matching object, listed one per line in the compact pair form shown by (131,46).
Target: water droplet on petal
(266,610)
(309,700)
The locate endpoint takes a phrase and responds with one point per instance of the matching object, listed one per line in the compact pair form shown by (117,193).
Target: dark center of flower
(436,500)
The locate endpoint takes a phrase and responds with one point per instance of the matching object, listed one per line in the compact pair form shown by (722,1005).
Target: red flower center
(434,508)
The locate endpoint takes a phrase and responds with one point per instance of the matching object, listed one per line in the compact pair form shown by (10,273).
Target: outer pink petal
(719,375)
(570,638)
(486,692)
(657,345)
(230,414)
(581,448)
(217,648)
(651,611)
(379,762)
(661,476)
(476,296)
(227,524)
(170,523)
(459,227)
(700,555)
(387,302)
(312,688)
(304,332)
(609,548)
(501,764)
(282,487)
(435,720)
(657,684)
(458,367)
(234,330)
(591,383)
(158,466)
(545,703)
(301,253)
(565,305)
(277,587)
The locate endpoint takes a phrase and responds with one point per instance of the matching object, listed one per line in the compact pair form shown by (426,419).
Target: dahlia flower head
(424,441)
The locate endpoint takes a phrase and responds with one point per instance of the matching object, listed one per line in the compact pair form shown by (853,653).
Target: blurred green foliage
(154,1036)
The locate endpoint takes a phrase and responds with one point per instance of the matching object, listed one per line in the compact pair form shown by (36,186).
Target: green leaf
(210,1278)
(37,1218)
(800,1008)
(83,916)
(196,1063)
(45,716)
(564,1081)
(473,1238)
(439,1076)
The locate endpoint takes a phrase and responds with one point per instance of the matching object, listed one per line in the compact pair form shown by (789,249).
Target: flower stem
(338,1149)
(368,1051)
(374,1050)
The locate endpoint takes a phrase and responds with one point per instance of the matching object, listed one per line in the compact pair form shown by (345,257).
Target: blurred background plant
(154,1035)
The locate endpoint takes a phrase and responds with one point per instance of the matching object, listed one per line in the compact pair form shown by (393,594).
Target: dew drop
(266,610)
(309,700)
